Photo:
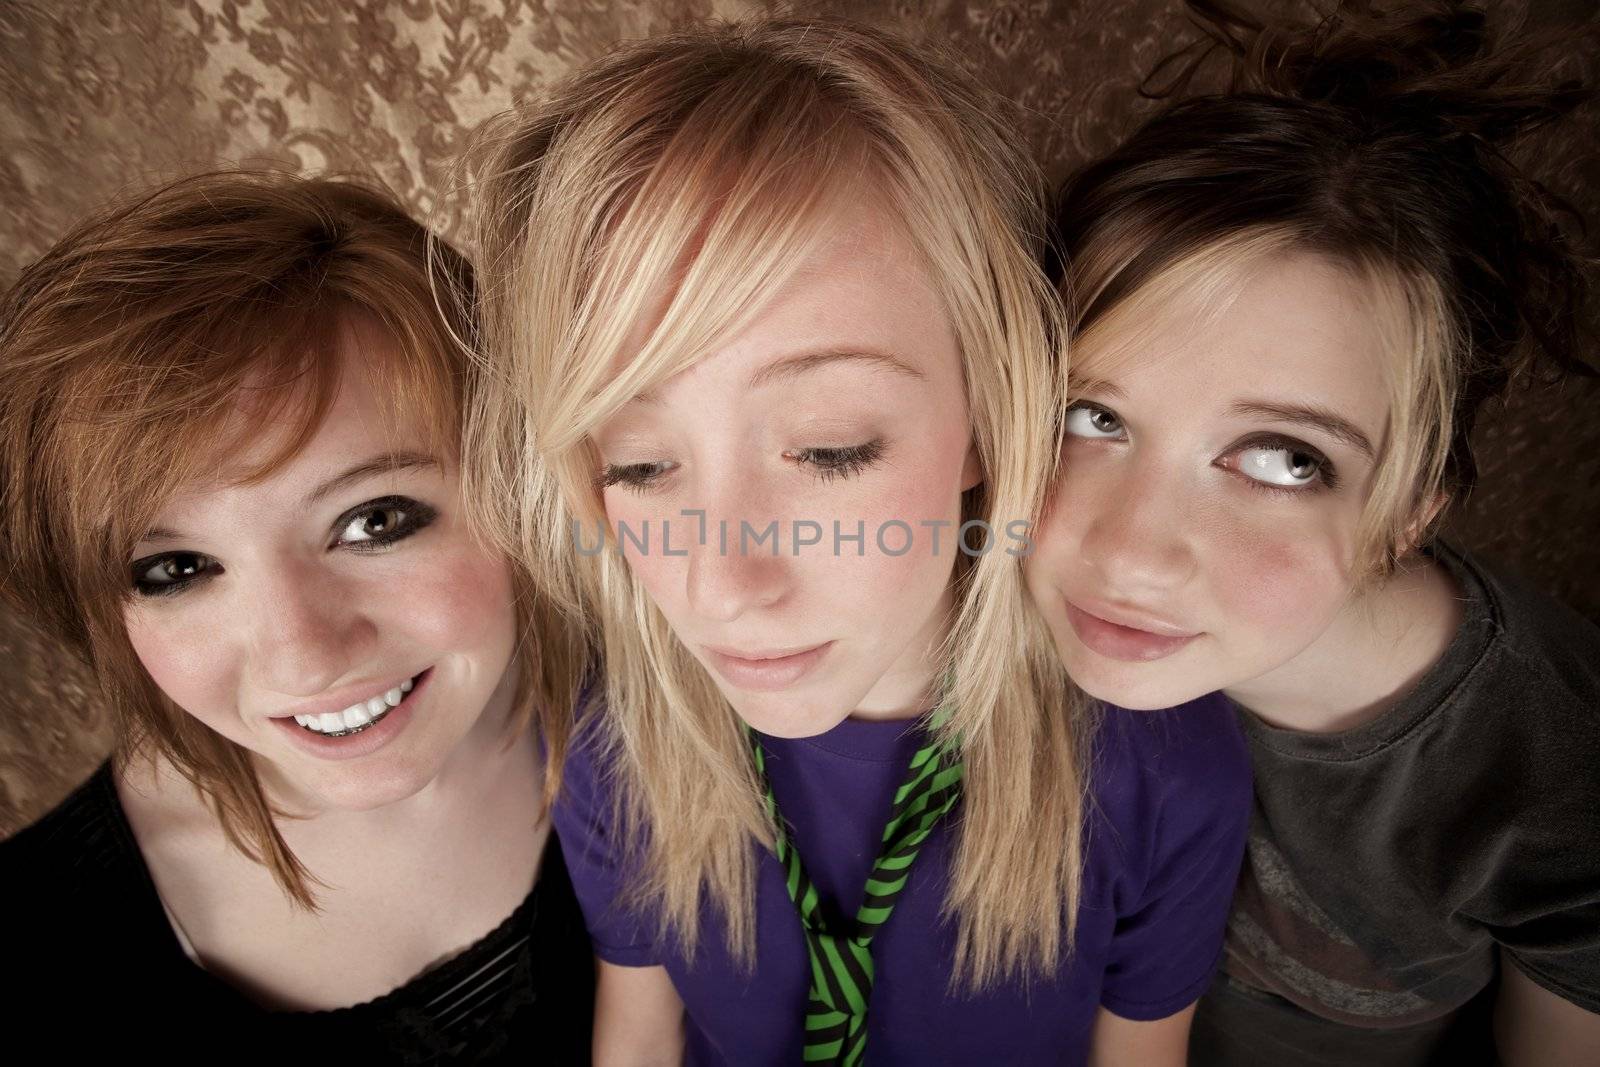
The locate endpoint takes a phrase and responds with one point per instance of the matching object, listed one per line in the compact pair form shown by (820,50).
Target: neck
(1395,631)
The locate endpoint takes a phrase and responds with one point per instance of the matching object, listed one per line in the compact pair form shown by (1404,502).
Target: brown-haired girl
(229,415)
(1290,302)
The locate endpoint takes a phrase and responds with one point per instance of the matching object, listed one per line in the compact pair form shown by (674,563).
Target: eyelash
(846,462)
(829,463)
(1327,478)
(416,516)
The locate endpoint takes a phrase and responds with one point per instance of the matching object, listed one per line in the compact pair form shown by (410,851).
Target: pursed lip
(768,669)
(1123,633)
(764,654)
(348,696)
(1131,618)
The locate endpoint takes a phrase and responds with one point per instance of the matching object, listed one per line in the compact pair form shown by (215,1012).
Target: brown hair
(1376,140)
(124,350)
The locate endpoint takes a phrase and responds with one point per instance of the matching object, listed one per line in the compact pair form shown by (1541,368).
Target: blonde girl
(767,403)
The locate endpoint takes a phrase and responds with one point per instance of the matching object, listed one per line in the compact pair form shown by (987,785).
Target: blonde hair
(702,165)
(124,351)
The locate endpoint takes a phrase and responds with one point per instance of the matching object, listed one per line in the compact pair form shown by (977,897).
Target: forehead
(253,451)
(1292,327)
(862,287)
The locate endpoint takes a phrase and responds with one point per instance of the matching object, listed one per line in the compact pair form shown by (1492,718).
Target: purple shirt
(1170,804)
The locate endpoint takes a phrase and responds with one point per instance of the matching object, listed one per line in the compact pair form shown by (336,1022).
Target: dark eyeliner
(148,589)
(417,516)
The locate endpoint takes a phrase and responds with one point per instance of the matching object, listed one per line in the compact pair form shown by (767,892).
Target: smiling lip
(765,671)
(363,742)
(1131,638)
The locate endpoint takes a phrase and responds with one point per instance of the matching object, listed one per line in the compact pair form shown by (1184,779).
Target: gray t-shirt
(1387,862)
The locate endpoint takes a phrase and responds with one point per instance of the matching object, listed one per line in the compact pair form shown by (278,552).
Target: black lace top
(94,964)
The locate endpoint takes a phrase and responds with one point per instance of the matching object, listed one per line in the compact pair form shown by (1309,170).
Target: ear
(972,468)
(1421,524)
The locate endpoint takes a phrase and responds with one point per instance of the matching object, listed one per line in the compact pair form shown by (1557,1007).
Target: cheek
(1055,539)
(189,659)
(1280,579)
(461,601)
(654,564)
(910,525)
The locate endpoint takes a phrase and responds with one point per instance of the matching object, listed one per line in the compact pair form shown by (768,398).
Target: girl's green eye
(1092,421)
(1280,466)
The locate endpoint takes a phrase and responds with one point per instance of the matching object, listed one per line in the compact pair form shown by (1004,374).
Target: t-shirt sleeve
(1536,854)
(1188,841)
(1560,950)
(597,860)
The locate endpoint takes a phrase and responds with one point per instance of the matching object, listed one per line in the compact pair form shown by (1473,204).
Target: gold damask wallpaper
(101,97)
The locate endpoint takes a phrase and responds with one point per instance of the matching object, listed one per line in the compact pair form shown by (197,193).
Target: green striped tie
(841,960)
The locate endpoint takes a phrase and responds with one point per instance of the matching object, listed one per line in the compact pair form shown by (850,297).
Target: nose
(306,631)
(1139,531)
(739,565)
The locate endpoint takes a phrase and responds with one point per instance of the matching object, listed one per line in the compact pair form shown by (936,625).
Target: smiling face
(335,618)
(1204,531)
(841,404)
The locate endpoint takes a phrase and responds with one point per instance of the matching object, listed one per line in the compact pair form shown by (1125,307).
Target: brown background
(100,98)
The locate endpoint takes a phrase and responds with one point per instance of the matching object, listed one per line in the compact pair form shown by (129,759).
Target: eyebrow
(791,367)
(794,366)
(384,463)
(1329,422)
(1085,386)
(1324,419)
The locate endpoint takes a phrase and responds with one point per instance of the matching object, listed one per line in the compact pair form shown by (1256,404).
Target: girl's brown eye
(373,524)
(169,573)
(383,521)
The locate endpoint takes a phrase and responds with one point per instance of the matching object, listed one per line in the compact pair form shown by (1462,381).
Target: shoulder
(1170,791)
(83,838)
(75,886)
(1540,647)
(1193,754)
(601,857)
(588,768)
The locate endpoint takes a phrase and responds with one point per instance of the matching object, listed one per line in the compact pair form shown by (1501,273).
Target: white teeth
(356,715)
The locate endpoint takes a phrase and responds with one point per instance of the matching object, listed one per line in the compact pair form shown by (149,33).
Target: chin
(788,715)
(1134,686)
(354,788)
